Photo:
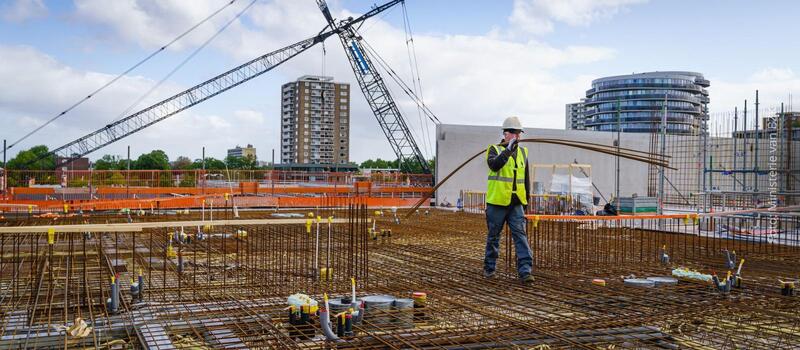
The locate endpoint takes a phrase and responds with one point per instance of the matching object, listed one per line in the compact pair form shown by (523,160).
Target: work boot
(527,279)
(487,274)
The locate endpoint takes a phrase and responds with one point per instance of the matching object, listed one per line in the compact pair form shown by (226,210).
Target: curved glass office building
(635,102)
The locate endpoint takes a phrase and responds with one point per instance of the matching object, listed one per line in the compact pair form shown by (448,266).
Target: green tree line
(154,160)
(394,164)
(159,160)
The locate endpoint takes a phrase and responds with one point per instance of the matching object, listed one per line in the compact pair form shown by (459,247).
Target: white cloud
(474,79)
(249,117)
(774,85)
(152,24)
(477,79)
(773,74)
(538,16)
(38,86)
(21,10)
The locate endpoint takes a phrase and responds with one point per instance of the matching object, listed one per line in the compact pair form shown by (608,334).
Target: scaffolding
(745,158)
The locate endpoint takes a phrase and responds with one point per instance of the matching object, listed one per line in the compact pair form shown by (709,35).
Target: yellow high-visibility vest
(501,183)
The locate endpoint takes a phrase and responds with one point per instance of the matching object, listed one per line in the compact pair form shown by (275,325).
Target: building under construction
(268,259)
(272,279)
(303,260)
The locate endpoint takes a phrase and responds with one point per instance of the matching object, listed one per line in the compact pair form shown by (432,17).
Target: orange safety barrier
(25,203)
(248,187)
(163,190)
(222,190)
(200,201)
(297,202)
(31,190)
(196,197)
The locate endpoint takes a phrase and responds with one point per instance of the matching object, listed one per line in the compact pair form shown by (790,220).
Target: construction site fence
(32,208)
(708,202)
(691,240)
(205,178)
(126,193)
(727,200)
(739,150)
(475,202)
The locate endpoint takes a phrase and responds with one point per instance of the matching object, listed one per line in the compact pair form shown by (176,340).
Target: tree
(155,160)
(188,179)
(393,164)
(211,164)
(78,182)
(233,162)
(378,164)
(116,179)
(182,163)
(247,163)
(109,162)
(25,157)
(165,179)
(416,168)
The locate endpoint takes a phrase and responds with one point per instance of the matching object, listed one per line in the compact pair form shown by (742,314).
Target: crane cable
(632,154)
(383,64)
(112,81)
(185,60)
(324,57)
(416,82)
(403,86)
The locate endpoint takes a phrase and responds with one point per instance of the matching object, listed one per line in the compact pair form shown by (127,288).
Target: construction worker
(506,197)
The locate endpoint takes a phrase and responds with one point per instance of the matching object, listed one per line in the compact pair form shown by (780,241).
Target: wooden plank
(138,226)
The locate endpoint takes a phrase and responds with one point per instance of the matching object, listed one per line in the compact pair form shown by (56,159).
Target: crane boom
(162,110)
(183,100)
(377,93)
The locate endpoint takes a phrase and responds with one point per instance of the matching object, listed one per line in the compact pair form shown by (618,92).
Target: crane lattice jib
(183,100)
(382,104)
(377,94)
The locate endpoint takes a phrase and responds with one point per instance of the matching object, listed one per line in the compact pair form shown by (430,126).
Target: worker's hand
(511,144)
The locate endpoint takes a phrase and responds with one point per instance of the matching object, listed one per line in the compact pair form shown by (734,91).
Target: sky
(479,61)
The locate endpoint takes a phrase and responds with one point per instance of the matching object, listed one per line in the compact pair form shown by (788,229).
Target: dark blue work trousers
(496,217)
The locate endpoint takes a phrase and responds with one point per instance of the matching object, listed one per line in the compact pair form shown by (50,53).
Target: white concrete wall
(456,143)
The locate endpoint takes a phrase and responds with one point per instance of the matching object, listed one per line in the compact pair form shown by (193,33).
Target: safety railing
(716,241)
(475,202)
(205,178)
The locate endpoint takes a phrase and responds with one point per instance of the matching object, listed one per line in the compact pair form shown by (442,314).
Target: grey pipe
(730,260)
(325,323)
(141,287)
(115,296)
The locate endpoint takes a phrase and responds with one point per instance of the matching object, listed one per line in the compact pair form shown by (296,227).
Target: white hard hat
(512,123)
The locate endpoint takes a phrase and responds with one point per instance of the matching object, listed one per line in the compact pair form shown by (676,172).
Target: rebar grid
(229,289)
